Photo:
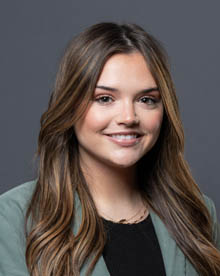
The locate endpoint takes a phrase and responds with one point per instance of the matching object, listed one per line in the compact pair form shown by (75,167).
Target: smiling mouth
(124,137)
(125,140)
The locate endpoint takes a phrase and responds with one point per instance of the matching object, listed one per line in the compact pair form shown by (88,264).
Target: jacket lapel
(173,257)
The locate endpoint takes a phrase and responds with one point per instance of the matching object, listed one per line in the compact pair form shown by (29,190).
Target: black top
(133,249)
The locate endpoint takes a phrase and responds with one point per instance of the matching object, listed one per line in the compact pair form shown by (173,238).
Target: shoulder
(20,192)
(17,199)
(211,206)
(216,226)
(209,202)
(13,205)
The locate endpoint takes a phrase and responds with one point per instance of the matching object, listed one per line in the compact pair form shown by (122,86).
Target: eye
(148,100)
(104,99)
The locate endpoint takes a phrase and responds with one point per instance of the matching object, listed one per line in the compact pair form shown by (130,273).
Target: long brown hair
(163,174)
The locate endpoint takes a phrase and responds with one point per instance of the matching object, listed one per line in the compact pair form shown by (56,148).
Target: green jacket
(12,240)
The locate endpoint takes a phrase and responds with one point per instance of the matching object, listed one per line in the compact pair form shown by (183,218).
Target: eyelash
(105,96)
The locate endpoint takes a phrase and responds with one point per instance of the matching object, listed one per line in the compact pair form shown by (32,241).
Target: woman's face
(124,118)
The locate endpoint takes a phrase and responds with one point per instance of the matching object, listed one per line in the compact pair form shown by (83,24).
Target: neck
(114,190)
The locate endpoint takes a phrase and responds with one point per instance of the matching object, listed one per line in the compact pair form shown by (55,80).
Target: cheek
(153,122)
(93,121)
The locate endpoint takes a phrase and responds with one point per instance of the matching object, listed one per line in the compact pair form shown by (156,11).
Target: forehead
(127,70)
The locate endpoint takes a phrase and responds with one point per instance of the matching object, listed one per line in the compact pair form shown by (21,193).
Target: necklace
(126,221)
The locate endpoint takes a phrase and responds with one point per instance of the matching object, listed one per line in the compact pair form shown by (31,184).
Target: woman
(114,195)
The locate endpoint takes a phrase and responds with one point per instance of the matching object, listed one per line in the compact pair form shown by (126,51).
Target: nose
(127,115)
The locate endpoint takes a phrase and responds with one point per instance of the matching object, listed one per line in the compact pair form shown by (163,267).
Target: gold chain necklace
(126,221)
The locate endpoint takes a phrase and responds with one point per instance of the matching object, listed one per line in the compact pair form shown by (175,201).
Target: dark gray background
(34,35)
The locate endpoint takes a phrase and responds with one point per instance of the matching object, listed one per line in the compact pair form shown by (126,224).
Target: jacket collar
(174,259)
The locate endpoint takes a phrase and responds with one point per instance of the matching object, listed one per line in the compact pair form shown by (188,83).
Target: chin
(121,164)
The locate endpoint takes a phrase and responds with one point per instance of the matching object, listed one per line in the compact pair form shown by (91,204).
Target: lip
(125,143)
(125,133)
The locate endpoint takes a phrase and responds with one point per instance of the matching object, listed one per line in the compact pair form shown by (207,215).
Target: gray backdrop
(33,36)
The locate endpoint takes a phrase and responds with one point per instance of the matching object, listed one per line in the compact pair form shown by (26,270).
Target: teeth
(124,137)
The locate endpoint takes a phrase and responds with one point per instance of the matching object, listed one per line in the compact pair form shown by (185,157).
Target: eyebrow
(148,90)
